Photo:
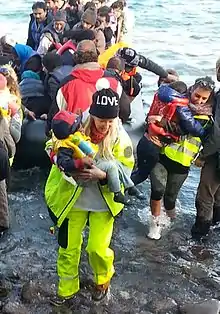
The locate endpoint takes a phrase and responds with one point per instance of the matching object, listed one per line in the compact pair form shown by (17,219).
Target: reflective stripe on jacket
(185,151)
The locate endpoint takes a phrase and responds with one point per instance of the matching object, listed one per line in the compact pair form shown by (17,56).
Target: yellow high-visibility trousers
(101,257)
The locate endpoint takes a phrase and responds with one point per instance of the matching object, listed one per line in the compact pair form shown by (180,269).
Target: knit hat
(90,16)
(9,40)
(60,16)
(3,82)
(65,123)
(105,102)
(30,74)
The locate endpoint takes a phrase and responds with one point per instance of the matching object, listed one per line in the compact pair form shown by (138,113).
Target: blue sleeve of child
(188,123)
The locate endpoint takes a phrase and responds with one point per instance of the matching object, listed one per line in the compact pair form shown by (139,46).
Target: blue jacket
(187,123)
(24,53)
(35,31)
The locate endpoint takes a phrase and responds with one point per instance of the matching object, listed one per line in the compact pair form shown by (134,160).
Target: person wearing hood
(25,57)
(53,33)
(39,20)
(56,72)
(20,56)
(89,21)
(83,78)
(33,96)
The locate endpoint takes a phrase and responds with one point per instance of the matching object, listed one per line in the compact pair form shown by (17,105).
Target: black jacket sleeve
(124,107)
(52,88)
(151,66)
(30,40)
(65,160)
(212,144)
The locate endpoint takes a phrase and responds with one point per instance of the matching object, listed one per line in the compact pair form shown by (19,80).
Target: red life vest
(167,111)
(69,45)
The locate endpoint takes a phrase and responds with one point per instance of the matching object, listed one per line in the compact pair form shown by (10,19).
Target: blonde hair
(12,82)
(106,146)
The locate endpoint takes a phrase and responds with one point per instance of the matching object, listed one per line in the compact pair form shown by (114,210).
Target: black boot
(3,230)
(133,191)
(120,198)
(200,229)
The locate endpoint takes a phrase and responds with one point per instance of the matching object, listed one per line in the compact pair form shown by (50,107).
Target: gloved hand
(129,55)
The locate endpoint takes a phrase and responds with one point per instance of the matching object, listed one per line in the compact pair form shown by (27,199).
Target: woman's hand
(91,174)
(155,140)
(153,119)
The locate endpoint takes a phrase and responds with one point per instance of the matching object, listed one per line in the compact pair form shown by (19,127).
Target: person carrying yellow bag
(72,206)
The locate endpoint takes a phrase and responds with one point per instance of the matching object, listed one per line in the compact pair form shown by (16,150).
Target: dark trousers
(166,185)
(147,157)
(207,198)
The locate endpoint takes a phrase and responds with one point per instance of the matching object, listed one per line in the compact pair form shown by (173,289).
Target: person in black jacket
(39,20)
(132,58)
(34,98)
(56,72)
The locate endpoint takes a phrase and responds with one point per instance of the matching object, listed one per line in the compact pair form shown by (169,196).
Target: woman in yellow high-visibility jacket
(72,206)
(172,170)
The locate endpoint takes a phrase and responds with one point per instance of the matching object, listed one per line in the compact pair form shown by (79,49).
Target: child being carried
(72,150)
(163,123)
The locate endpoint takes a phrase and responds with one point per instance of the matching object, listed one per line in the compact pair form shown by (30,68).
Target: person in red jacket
(77,89)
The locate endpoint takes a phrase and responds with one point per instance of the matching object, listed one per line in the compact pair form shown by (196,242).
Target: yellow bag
(109,53)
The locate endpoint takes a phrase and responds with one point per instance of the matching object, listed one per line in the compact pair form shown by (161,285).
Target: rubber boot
(155,226)
(200,229)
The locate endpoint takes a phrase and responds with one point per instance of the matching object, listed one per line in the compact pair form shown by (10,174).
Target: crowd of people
(77,73)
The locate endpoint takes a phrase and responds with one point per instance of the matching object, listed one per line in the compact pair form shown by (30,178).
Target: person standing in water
(208,194)
(72,206)
(173,167)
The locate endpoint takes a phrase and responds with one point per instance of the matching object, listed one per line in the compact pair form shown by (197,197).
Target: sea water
(178,34)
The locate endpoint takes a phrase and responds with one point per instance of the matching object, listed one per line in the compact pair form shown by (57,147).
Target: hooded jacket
(30,87)
(54,78)
(77,90)
(33,94)
(24,53)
